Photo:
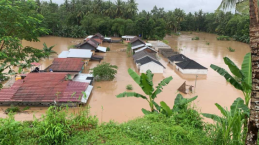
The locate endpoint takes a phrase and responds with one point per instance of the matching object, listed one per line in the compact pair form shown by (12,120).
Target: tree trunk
(253,123)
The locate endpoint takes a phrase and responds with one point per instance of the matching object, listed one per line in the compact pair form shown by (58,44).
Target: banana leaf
(150,77)
(159,88)
(222,110)
(131,94)
(212,116)
(146,112)
(146,86)
(158,108)
(246,68)
(233,68)
(227,76)
(134,76)
(165,107)
(237,105)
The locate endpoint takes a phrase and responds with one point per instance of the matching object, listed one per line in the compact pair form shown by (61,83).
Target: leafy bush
(12,109)
(128,51)
(231,49)
(104,72)
(129,87)
(108,49)
(165,41)
(196,38)
(207,43)
(223,38)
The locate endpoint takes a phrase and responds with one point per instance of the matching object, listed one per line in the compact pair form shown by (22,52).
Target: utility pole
(195,83)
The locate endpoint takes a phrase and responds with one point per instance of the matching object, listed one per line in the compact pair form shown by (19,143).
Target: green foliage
(12,109)
(71,46)
(108,49)
(227,38)
(48,50)
(104,72)
(229,128)
(26,108)
(128,51)
(231,49)
(196,38)
(242,79)
(165,41)
(207,43)
(145,81)
(129,87)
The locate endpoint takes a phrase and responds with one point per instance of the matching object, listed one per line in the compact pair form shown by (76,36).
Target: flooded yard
(210,89)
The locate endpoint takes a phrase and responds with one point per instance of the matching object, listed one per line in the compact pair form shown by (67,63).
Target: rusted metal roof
(66,65)
(135,39)
(88,41)
(99,35)
(44,87)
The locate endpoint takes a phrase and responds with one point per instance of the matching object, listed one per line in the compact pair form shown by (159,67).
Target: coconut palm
(119,8)
(48,50)
(254,44)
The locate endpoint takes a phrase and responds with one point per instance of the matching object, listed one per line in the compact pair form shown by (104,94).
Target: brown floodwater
(211,88)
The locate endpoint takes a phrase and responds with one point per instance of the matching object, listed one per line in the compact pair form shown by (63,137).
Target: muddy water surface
(210,89)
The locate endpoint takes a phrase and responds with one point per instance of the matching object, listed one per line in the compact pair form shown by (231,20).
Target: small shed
(76,53)
(74,65)
(137,41)
(142,54)
(128,38)
(177,58)
(148,63)
(191,67)
(159,44)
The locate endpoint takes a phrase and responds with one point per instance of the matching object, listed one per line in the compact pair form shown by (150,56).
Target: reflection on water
(210,89)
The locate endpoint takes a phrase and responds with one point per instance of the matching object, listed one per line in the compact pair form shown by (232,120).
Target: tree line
(78,18)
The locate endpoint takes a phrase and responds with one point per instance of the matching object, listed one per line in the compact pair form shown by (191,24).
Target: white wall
(174,62)
(192,71)
(154,67)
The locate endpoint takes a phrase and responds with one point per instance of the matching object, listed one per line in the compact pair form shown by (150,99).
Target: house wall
(192,71)
(174,62)
(155,68)
(87,46)
(136,43)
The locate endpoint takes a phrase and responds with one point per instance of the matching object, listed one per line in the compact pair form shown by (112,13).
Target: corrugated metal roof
(7,94)
(142,54)
(138,46)
(63,54)
(147,59)
(47,87)
(146,47)
(135,39)
(100,48)
(79,53)
(66,65)
(190,64)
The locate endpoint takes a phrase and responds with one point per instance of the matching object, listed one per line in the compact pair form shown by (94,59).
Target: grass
(231,49)
(196,38)
(129,87)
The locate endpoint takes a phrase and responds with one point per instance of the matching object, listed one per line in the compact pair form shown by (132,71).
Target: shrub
(129,52)
(223,38)
(104,72)
(196,38)
(108,49)
(129,87)
(207,43)
(231,49)
(71,46)
(12,109)
(165,41)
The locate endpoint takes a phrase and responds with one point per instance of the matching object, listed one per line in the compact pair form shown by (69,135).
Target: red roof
(66,65)
(98,40)
(44,87)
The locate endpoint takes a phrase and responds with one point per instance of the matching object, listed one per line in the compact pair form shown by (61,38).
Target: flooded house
(148,63)
(142,54)
(70,65)
(45,89)
(147,49)
(159,45)
(127,37)
(99,38)
(76,53)
(167,52)
(177,59)
(92,45)
(191,67)
(136,41)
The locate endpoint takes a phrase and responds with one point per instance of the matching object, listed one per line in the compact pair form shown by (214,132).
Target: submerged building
(191,67)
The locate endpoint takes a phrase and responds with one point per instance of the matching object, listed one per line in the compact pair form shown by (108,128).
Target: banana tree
(242,79)
(232,123)
(145,81)
(48,50)
(180,103)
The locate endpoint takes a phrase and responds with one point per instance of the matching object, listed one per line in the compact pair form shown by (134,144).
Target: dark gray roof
(135,39)
(147,59)
(141,54)
(178,57)
(91,42)
(190,64)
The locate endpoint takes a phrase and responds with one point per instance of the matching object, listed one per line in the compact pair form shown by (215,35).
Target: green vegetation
(104,72)
(26,108)
(71,46)
(48,50)
(207,43)
(128,51)
(108,49)
(243,75)
(129,87)
(196,38)
(145,81)
(165,41)
(12,109)
(230,49)
(19,21)
(231,127)
(227,38)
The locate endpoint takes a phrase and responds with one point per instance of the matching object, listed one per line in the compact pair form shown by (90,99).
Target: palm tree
(48,50)
(119,8)
(132,8)
(253,123)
